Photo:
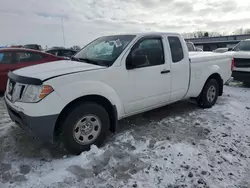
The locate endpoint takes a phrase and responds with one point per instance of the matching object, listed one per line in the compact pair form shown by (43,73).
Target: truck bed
(197,57)
(203,64)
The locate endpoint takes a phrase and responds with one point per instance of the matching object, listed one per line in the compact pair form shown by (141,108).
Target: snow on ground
(176,146)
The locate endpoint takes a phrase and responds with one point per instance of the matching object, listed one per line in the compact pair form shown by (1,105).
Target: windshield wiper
(91,61)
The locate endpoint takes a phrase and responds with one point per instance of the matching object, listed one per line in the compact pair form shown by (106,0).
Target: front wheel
(87,124)
(209,94)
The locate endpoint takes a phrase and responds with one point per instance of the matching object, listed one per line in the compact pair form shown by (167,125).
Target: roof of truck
(157,33)
(146,33)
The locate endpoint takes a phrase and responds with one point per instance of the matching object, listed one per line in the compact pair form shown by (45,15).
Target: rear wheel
(209,94)
(87,124)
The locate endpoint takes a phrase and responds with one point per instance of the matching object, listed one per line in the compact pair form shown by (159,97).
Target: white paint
(131,91)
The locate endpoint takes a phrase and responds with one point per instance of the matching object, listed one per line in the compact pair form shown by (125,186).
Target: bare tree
(239,31)
(247,31)
(199,34)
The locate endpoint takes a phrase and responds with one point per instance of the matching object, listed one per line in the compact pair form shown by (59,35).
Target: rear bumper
(241,76)
(41,127)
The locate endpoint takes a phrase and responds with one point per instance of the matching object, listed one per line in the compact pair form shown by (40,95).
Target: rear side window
(6,58)
(22,57)
(176,49)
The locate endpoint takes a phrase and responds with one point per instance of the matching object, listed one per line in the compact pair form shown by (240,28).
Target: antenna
(63,32)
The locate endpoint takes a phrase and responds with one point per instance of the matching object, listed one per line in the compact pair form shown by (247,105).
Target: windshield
(105,50)
(242,46)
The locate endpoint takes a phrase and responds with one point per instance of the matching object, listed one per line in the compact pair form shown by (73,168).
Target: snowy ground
(174,147)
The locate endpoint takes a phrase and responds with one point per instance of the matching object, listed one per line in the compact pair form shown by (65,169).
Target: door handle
(165,71)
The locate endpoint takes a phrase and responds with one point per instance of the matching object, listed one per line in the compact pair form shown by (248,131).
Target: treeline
(198,34)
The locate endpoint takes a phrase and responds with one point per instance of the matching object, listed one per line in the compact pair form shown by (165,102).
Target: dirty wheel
(209,94)
(87,124)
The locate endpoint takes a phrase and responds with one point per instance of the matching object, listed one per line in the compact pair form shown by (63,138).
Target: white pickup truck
(241,55)
(113,77)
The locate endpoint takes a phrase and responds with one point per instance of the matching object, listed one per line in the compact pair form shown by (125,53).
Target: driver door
(151,78)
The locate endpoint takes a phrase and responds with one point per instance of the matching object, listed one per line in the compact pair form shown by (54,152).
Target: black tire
(203,99)
(68,140)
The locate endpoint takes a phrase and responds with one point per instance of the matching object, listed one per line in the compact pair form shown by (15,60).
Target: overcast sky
(39,21)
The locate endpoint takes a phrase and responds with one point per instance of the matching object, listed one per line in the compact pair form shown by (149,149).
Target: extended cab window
(176,49)
(22,57)
(146,52)
(5,57)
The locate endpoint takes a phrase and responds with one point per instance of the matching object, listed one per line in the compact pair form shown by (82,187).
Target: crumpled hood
(56,68)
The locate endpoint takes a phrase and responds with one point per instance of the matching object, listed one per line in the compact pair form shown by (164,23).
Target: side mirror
(229,49)
(135,61)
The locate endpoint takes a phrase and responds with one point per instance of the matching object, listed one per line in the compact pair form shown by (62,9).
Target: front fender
(72,91)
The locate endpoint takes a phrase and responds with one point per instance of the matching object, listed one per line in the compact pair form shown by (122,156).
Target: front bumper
(41,126)
(241,76)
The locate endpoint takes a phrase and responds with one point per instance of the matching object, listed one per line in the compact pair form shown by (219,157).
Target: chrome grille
(15,90)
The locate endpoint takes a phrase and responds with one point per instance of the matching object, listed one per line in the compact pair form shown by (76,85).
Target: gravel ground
(177,146)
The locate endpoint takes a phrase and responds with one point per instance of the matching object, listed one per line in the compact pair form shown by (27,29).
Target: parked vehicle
(33,47)
(67,53)
(16,46)
(221,50)
(192,48)
(76,48)
(6,46)
(198,49)
(111,78)
(241,55)
(57,47)
(15,58)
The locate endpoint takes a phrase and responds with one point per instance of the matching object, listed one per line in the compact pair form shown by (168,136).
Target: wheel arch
(218,78)
(104,102)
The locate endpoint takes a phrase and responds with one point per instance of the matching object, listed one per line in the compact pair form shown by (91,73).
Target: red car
(15,58)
